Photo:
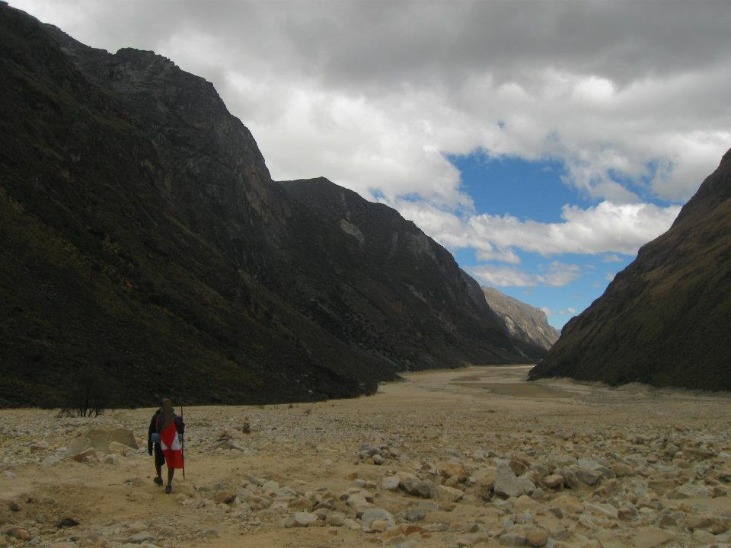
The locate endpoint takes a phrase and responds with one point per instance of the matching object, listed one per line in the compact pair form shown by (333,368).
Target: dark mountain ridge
(145,246)
(664,320)
(414,278)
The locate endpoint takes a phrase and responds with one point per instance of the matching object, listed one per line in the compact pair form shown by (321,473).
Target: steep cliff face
(143,240)
(522,321)
(396,291)
(137,232)
(664,320)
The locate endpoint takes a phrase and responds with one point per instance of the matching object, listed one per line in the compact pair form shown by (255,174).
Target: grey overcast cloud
(630,99)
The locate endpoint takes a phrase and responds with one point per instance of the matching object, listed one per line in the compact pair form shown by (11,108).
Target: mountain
(145,249)
(396,291)
(664,320)
(522,321)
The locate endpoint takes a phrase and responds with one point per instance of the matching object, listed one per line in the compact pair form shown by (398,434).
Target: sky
(541,142)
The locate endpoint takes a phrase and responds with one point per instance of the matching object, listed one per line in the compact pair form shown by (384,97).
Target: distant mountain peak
(522,321)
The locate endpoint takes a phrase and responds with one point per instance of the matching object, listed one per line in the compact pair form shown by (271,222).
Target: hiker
(153,444)
(167,428)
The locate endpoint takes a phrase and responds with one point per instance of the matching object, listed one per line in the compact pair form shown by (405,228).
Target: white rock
(119,448)
(142,536)
(450,494)
(100,438)
(506,482)
(375,514)
(301,519)
(270,488)
(553,481)
(527,484)
(602,509)
(358,503)
(390,483)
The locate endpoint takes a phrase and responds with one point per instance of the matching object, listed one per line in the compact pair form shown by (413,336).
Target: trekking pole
(182,440)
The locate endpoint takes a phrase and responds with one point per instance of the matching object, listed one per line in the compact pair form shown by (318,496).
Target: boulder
(390,483)
(450,494)
(587,476)
(553,481)
(417,487)
(372,516)
(86,455)
(101,439)
(536,537)
(507,483)
(301,519)
(358,503)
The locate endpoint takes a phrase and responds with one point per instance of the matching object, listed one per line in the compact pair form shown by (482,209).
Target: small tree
(87,394)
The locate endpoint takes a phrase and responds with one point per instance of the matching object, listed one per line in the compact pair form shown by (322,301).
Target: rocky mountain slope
(522,321)
(664,320)
(145,250)
(392,282)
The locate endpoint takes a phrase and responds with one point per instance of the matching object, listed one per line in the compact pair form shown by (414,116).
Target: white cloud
(605,228)
(630,96)
(556,274)
(570,311)
(612,259)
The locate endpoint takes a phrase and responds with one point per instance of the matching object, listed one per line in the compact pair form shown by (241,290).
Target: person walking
(153,445)
(170,428)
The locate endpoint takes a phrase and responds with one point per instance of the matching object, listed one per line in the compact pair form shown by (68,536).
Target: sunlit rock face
(522,321)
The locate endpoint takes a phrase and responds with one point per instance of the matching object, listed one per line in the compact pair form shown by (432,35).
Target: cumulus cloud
(556,274)
(570,311)
(629,96)
(612,259)
(604,228)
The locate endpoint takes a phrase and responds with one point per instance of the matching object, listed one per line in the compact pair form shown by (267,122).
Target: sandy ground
(663,459)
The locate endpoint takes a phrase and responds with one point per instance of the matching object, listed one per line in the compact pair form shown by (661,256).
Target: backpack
(155,436)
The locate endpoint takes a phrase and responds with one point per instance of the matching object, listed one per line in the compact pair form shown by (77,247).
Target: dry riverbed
(448,458)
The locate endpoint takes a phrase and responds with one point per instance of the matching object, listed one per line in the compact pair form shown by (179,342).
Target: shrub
(87,395)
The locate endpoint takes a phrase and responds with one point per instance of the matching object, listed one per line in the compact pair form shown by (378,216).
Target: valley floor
(463,457)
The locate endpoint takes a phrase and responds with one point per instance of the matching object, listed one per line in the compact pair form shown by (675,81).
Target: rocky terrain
(142,233)
(476,457)
(664,319)
(522,321)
